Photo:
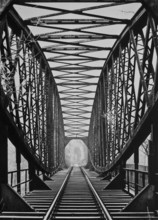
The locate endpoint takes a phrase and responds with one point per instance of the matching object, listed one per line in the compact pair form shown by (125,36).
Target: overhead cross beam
(73,43)
(152,5)
(77,1)
(73,21)
(48,38)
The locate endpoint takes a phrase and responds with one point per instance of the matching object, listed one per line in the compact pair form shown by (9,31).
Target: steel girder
(120,69)
(70,52)
(129,81)
(152,5)
(33,100)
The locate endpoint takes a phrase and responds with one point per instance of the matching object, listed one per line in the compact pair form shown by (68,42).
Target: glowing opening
(76,153)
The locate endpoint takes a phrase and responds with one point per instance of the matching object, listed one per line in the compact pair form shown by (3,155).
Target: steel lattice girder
(127,101)
(72,54)
(26,81)
(130,86)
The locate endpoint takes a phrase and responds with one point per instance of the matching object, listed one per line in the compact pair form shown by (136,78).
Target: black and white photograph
(78,109)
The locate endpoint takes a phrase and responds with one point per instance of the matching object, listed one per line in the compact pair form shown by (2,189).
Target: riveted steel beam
(110,1)
(80,36)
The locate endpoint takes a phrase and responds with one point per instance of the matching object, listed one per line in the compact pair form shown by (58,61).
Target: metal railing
(21,187)
(20,180)
(135,180)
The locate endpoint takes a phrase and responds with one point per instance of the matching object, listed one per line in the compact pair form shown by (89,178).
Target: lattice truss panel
(22,80)
(128,81)
(76,39)
(33,102)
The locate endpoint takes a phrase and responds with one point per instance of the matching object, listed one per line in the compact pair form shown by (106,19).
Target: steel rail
(100,202)
(51,208)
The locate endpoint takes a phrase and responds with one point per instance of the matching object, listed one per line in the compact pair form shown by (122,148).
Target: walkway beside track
(77,193)
(38,200)
(115,200)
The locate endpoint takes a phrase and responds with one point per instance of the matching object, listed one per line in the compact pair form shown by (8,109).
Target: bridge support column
(3,158)
(18,162)
(136,167)
(118,181)
(153,160)
(3,152)
(31,176)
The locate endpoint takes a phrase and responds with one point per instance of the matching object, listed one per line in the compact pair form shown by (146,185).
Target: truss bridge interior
(78,109)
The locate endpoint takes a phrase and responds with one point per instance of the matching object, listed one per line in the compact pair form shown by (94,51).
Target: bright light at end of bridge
(76,153)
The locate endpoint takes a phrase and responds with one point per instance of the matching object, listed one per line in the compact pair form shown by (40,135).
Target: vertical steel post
(136,166)
(153,166)
(3,151)
(103,127)
(18,162)
(31,176)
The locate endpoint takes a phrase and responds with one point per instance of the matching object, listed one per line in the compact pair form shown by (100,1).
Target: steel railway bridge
(78,70)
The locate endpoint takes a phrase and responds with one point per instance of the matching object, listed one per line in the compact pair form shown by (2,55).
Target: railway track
(72,196)
(79,200)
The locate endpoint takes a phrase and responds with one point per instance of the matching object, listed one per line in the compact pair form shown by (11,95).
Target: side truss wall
(30,104)
(126,97)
